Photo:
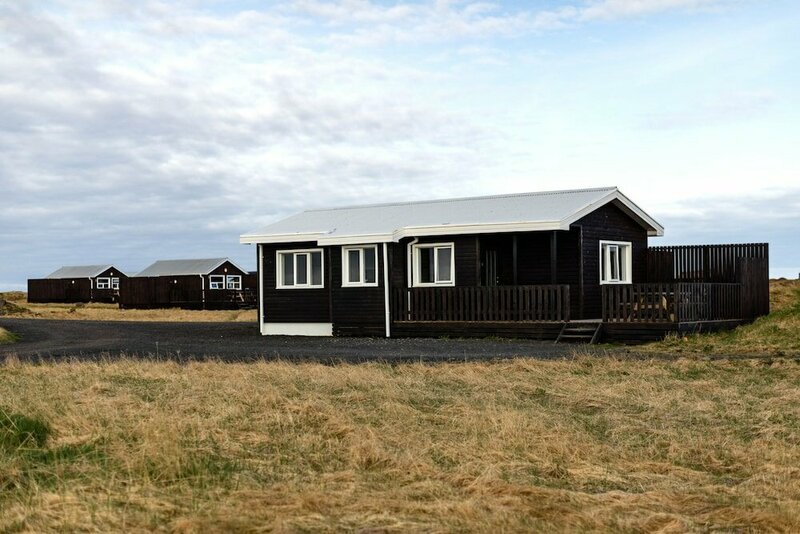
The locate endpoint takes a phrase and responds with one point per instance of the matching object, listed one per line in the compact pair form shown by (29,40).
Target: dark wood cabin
(73,284)
(567,265)
(212,284)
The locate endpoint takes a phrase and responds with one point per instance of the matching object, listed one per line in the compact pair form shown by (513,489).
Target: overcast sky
(136,131)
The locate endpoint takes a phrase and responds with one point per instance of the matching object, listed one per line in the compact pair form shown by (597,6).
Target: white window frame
(418,267)
(605,260)
(233,281)
(103,283)
(279,268)
(362,266)
(115,283)
(216,281)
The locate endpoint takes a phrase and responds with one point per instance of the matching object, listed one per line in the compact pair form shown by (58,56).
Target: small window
(300,269)
(104,283)
(434,265)
(216,281)
(234,281)
(360,266)
(115,283)
(615,262)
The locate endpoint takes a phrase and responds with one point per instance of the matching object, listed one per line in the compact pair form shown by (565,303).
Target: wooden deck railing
(672,303)
(503,303)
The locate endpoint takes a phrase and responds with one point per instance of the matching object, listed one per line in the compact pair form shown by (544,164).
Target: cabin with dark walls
(74,284)
(553,265)
(214,283)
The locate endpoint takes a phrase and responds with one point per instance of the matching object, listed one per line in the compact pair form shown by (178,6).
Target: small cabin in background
(81,283)
(213,283)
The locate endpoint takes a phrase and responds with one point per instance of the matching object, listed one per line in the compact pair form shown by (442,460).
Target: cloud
(613,9)
(723,108)
(367,23)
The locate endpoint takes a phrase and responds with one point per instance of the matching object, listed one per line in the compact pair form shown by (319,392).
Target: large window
(360,266)
(104,283)
(216,281)
(434,265)
(300,269)
(234,281)
(615,262)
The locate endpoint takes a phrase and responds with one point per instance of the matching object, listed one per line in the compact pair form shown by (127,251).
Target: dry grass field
(20,307)
(520,445)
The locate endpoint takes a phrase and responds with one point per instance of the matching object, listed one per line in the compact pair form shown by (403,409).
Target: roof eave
(261,239)
(654,228)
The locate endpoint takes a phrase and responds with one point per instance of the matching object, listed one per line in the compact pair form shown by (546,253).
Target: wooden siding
(607,223)
(162,292)
(59,290)
(295,305)
(356,311)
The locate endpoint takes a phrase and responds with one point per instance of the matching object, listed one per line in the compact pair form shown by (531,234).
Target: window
(234,281)
(104,283)
(360,266)
(216,281)
(115,283)
(615,262)
(299,269)
(434,265)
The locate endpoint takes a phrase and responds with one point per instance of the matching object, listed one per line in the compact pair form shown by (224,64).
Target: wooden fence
(503,303)
(703,263)
(673,303)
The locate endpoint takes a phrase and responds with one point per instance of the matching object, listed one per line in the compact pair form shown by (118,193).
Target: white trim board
(297,329)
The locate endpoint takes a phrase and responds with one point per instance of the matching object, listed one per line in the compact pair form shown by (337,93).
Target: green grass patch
(7,337)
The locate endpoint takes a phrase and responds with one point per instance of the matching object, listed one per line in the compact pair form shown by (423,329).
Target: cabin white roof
(79,271)
(523,212)
(184,267)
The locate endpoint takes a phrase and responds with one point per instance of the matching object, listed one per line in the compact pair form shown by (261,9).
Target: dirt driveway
(51,339)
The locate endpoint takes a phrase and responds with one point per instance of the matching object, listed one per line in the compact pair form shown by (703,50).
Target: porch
(686,289)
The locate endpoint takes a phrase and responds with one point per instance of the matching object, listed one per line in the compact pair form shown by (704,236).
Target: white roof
(79,271)
(184,267)
(524,212)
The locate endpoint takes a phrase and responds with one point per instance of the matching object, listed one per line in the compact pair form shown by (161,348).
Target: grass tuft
(19,431)
(7,337)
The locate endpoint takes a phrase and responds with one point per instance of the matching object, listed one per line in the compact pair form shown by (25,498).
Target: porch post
(553,258)
(514,254)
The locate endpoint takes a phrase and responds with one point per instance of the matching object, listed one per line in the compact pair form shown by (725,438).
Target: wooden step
(580,332)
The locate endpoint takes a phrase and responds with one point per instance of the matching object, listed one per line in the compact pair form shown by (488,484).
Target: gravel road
(42,339)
